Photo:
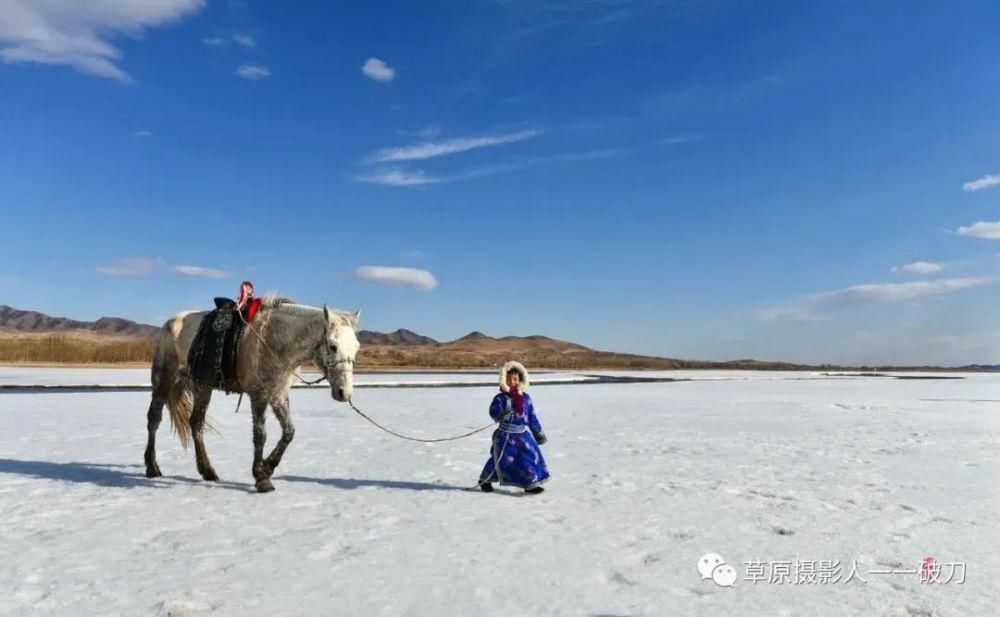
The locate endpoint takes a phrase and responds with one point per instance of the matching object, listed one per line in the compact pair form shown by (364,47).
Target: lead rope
(419,439)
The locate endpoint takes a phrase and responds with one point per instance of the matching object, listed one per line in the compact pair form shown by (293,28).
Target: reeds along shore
(67,348)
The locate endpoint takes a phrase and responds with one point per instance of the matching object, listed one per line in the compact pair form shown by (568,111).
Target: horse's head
(335,354)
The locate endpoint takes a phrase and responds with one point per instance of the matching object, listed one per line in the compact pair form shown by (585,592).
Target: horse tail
(167,371)
(180,402)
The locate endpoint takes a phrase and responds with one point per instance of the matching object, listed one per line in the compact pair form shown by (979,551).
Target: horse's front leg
(259,406)
(283,411)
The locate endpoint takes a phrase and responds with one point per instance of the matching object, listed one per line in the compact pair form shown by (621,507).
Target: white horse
(282,337)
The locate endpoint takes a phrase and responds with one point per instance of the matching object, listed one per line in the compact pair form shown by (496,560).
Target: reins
(420,439)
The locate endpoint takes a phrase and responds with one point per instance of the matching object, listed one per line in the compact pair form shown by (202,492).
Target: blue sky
(704,179)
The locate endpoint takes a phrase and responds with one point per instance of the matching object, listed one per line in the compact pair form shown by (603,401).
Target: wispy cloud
(983,229)
(681,139)
(791,314)
(77,34)
(921,267)
(397,277)
(212,273)
(817,307)
(985,182)
(147,266)
(402,177)
(143,133)
(428,150)
(378,70)
(245,40)
(399,177)
(253,72)
(588,23)
(130,266)
(895,292)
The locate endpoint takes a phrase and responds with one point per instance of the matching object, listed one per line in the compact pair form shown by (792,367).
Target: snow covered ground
(765,468)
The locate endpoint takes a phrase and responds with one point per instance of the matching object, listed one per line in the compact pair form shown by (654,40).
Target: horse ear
(356,318)
(326,313)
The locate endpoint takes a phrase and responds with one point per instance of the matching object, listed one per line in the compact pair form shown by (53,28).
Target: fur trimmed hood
(516,366)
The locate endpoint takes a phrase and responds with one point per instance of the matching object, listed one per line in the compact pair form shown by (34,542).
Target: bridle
(328,355)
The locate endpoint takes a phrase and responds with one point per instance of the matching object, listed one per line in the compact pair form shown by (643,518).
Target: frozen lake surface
(768,468)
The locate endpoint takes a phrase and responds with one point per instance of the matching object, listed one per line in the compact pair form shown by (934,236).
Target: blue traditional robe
(515,458)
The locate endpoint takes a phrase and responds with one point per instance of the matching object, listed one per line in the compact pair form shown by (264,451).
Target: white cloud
(212,273)
(537,161)
(398,277)
(895,292)
(985,182)
(399,177)
(245,40)
(240,39)
(145,266)
(253,72)
(404,177)
(378,70)
(982,229)
(813,308)
(143,134)
(922,267)
(427,150)
(76,33)
(130,266)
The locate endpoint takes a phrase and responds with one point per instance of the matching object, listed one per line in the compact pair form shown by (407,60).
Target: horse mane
(271,299)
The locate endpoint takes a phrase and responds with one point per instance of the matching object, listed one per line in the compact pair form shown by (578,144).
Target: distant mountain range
(399,337)
(401,348)
(33,321)
(17,320)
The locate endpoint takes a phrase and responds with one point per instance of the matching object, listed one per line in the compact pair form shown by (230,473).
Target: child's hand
(540,437)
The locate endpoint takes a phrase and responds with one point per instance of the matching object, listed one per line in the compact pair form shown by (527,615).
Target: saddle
(215,348)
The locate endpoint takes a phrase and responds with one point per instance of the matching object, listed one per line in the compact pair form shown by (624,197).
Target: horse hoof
(264,486)
(210,476)
(153,472)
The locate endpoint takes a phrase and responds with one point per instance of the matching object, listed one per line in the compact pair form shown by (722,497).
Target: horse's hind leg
(153,418)
(283,412)
(259,407)
(162,380)
(202,397)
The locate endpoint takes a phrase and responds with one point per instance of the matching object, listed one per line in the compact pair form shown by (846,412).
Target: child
(515,458)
